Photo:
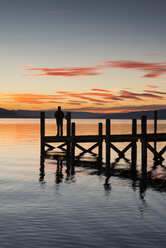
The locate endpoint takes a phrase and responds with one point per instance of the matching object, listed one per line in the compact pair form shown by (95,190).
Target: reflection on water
(66,169)
(75,206)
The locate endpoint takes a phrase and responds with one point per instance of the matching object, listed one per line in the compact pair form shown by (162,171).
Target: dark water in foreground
(76,212)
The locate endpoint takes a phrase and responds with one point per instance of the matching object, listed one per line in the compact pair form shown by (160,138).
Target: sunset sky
(85,55)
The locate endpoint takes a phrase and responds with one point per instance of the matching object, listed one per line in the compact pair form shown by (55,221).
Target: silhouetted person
(59,115)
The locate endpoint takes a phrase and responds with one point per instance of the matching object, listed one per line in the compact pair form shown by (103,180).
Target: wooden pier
(71,141)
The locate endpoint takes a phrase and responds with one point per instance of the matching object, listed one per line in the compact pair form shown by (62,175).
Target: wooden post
(100,150)
(155,128)
(144,146)
(134,145)
(73,149)
(42,135)
(107,146)
(68,118)
(73,142)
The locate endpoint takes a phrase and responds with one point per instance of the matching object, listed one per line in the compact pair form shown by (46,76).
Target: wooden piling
(134,145)
(107,146)
(73,142)
(155,127)
(68,118)
(72,157)
(100,147)
(42,135)
(144,144)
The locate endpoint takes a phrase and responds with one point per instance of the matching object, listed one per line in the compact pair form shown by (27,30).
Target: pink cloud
(153,70)
(152,86)
(66,71)
(102,90)
(155,73)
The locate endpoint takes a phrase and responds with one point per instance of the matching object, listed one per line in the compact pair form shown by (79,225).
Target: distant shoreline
(85,118)
(27,114)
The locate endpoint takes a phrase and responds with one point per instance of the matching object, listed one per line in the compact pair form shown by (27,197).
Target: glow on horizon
(95,100)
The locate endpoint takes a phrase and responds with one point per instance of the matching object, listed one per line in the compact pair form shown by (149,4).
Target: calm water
(77,210)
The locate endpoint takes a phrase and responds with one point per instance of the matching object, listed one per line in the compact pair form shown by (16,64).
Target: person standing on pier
(59,115)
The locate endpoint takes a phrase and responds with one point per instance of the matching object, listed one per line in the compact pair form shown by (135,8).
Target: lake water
(75,210)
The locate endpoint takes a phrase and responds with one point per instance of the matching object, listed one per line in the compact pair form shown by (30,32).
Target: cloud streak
(155,92)
(139,96)
(153,70)
(150,70)
(152,86)
(91,97)
(66,71)
(32,98)
(105,97)
(101,90)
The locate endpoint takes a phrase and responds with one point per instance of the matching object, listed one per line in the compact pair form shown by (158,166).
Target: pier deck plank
(151,137)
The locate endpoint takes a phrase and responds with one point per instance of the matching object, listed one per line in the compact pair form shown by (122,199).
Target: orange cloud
(32,98)
(105,96)
(81,96)
(90,99)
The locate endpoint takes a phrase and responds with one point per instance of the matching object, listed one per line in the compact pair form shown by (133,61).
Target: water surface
(75,210)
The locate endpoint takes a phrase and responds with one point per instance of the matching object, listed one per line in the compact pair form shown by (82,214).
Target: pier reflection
(42,172)
(140,181)
(59,174)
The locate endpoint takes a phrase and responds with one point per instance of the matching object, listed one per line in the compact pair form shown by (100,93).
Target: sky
(84,55)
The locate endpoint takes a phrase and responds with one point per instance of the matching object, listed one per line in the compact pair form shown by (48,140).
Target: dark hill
(82,115)
(4,113)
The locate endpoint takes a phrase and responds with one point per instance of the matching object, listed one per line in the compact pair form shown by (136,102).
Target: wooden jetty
(71,141)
